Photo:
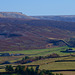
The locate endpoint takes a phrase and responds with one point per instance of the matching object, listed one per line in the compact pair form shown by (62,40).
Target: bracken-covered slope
(22,34)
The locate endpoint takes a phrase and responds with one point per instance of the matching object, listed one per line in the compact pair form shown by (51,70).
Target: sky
(39,7)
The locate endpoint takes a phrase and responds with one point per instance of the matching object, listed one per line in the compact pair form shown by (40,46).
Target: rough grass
(66,72)
(10,58)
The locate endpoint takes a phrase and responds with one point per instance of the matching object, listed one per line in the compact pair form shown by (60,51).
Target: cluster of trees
(53,55)
(27,59)
(24,70)
(9,68)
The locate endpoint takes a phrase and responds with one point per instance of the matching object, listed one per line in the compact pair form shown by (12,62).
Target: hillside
(14,15)
(66,18)
(22,34)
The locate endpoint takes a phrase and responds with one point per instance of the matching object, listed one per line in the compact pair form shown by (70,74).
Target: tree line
(24,70)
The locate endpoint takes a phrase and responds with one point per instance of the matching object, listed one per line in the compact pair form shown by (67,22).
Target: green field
(59,66)
(48,63)
(41,52)
(33,53)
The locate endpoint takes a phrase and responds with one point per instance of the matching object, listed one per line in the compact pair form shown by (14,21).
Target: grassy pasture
(50,64)
(41,52)
(58,66)
(32,53)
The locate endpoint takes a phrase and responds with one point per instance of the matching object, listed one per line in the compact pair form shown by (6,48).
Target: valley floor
(65,62)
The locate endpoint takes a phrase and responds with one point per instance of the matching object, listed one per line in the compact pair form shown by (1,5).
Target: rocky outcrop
(14,15)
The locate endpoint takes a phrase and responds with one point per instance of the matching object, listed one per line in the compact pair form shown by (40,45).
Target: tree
(61,74)
(26,57)
(32,71)
(19,69)
(41,73)
(57,74)
(9,68)
(23,59)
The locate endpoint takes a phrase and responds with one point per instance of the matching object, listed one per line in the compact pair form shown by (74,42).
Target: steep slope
(66,18)
(22,34)
(14,15)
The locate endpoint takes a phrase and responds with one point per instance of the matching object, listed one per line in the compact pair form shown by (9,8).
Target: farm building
(70,50)
(8,54)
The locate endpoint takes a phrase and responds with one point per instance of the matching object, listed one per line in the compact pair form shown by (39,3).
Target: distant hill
(25,34)
(22,32)
(14,15)
(68,18)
